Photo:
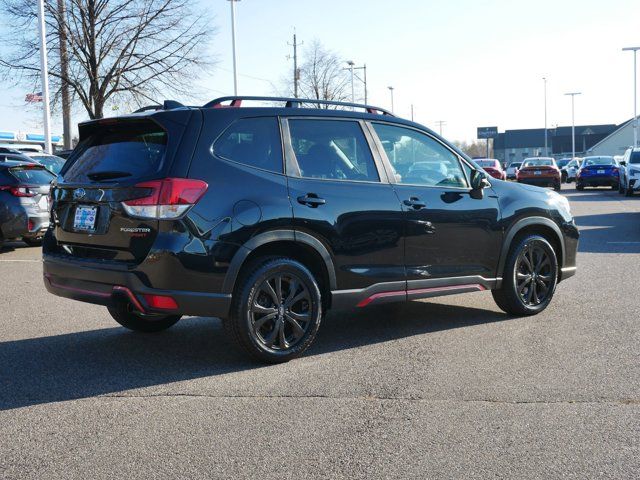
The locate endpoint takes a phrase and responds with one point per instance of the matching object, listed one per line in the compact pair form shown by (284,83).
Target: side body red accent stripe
(375,296)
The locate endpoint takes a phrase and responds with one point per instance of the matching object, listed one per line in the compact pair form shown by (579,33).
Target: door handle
(311,200)
(415,203)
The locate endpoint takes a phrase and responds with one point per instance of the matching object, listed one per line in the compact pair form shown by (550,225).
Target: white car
(512,169)
(569,168)
(630,172)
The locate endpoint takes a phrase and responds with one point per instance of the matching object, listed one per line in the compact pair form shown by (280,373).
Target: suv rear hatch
(117,161)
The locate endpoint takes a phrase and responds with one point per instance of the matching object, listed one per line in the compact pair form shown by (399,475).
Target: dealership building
(610,139)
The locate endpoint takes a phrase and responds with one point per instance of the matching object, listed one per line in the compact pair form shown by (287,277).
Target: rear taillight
(168,198)
(615,171)
(19,191)
(30,225)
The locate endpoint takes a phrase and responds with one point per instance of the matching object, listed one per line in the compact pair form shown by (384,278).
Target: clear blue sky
(469,63)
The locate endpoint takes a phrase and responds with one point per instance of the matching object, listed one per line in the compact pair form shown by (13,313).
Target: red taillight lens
(168,198)
(161,302)
(30,225)
(614,171)
(19,191)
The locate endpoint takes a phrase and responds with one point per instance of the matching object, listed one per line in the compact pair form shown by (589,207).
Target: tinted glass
(54,164)
(332,149)
(137,149)
(538,162)
(254,142)
(562,163)
(635,157)
(486,163)
(418,159)
(32,176)
(589,161)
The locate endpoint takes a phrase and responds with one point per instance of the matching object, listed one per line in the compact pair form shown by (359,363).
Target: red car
(541,171)
(492,167)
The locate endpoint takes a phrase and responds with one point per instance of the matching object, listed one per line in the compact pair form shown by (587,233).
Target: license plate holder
(85,218)
(537,172)
(600,172)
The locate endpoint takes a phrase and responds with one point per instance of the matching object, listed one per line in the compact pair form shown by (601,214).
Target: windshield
(515,165)
(32,176)
(52,163)
(486,163)
(563,163)
(131,149)
(539,162)
(635,157)
(589,161)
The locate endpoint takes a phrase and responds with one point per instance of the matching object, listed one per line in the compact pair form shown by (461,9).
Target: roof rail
(166,105)
(292,103)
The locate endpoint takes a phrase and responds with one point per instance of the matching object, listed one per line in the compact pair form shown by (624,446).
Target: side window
(332,149)
(252,141)
(418,159)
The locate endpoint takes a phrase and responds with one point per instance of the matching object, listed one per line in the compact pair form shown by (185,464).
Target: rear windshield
(486,163)
(32,176)
(635,157)
(127,150)
(539,162)
(53,164)
(589,161)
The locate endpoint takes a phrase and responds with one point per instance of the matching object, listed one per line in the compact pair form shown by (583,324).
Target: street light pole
(635,94)
(573,124)
(391,90)
(546,150)
(233,45)
(44,75)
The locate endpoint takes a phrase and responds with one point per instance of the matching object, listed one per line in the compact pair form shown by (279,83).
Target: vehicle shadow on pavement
(97,362)
(609,233)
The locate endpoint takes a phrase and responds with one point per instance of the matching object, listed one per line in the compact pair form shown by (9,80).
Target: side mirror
(478,183)
(622,163)
(479,180)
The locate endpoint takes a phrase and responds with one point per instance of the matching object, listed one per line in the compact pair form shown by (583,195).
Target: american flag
(33,97)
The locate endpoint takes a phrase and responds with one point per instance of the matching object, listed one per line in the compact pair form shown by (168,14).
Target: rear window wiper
(108,175)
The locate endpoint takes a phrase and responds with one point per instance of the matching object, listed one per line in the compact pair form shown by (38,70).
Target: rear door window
(32,176)
(332,149)
(634,157)
(254,142)
(125,150)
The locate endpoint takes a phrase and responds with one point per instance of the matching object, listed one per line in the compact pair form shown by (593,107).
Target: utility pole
(573,124)
(391,91)
(296,72)
(546,151)
(440,124)
(233,45)
(44,75)
(351,63)
(64,73)
(635,94)
(412,112)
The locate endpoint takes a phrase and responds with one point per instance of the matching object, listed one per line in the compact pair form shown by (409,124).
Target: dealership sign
(487,132)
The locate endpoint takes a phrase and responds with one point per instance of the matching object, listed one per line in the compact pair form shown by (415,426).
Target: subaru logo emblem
(79,193)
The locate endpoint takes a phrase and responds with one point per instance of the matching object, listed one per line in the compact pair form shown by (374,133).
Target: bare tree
(118,50)
(473,149)
(322,75)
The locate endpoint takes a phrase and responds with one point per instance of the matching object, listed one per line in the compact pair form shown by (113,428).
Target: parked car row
(25,176)
(630,172)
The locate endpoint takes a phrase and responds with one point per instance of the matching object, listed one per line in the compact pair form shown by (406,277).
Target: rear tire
(557,187)
(628,192)
(621,189)
(530,277)
(276,310)
(125,317)
(579,187)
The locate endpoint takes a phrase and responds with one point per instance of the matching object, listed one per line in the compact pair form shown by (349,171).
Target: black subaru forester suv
(268,216)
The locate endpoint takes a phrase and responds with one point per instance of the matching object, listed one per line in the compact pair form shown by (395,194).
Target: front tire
(629,192)
(530,277)
(276,310)
(151,324)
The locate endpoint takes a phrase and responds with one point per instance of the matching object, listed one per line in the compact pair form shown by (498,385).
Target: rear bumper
(106,286)
(540,181)
(598,181)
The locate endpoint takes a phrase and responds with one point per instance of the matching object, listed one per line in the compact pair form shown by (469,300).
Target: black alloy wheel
(280,312)
(534,275)
(530,277)
(276,310)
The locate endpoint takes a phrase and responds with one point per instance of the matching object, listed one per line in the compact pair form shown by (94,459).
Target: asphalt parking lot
(448,388)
